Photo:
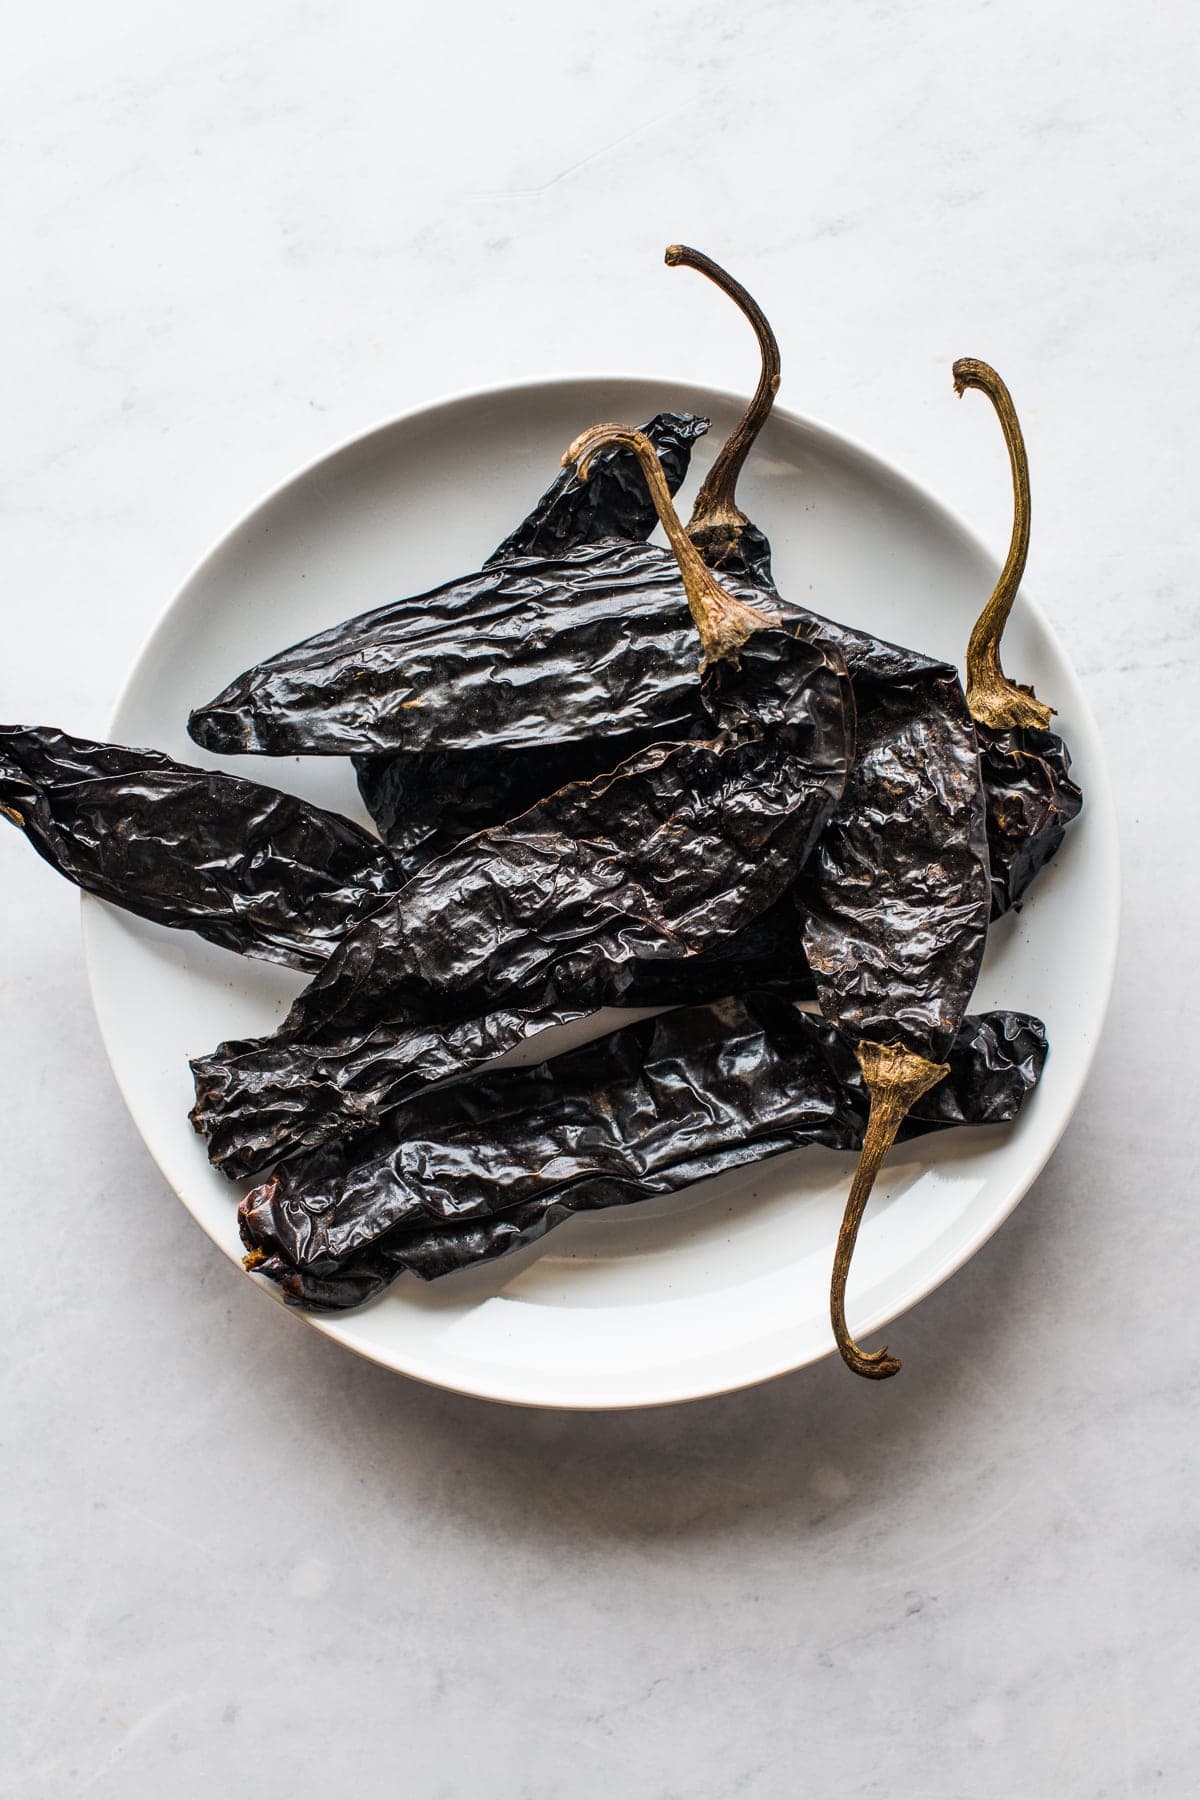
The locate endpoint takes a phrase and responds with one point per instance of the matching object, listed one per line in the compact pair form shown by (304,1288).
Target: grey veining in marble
(238,1561)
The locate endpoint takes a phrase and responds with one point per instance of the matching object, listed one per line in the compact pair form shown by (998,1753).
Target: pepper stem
(993,699)
(253,1258)
(723,621)
(10,812)
(896,1078)
(717,522)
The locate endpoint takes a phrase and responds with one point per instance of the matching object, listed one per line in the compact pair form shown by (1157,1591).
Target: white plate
(726,1284)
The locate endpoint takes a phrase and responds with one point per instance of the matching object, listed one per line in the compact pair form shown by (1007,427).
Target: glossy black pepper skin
(897,898)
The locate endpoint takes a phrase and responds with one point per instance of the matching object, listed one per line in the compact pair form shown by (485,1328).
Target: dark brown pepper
(896,904)
(561,636)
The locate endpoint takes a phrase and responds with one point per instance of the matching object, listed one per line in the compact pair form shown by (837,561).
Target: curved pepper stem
(723,621)
(993,699)
(717,522)
(896,1078)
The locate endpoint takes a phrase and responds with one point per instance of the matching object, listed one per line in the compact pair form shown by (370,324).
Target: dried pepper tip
(895,1079)
(253,1259)
(10,812)
(994,700)
(723,621)
(717,522)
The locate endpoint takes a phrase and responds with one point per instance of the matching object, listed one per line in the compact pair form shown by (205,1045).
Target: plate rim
(1101,813)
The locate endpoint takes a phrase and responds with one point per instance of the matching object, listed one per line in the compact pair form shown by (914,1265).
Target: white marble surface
(237,1560)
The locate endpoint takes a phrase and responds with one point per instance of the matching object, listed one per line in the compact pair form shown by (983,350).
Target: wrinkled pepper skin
(492,1164)
(244,866)
(425,802)
(409,678)
(524,654)
(897,898)
(543,919)
(896,906)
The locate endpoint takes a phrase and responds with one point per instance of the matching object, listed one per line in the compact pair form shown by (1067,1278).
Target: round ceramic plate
(727,1283)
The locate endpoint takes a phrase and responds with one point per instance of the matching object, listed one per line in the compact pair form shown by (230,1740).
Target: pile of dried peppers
(604,772)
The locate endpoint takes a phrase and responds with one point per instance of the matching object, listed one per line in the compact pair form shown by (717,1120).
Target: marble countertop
(236,1559)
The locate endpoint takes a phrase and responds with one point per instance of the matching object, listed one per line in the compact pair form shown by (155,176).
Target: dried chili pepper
(466,1174)
(896,903)
(245,866)
(587,638)
(543,919)
(438,673)
(431,672)
(1026,767)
